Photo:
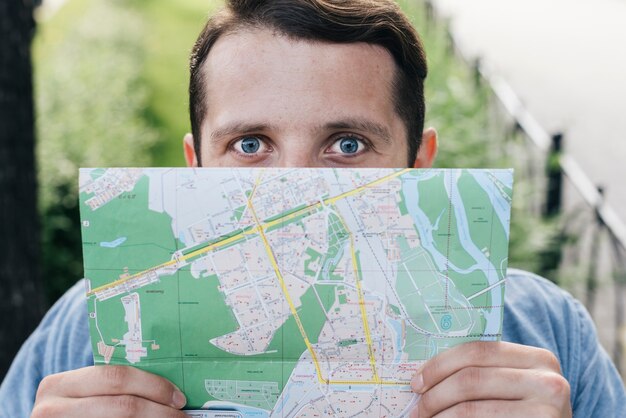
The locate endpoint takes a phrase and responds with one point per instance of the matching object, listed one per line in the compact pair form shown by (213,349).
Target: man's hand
(492,379)
(107,391)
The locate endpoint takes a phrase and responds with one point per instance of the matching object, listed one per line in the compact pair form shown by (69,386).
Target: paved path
(566,60)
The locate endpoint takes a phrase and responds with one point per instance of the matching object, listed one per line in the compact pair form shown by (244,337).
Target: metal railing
(593,237)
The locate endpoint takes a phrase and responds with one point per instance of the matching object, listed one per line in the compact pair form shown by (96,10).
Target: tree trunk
(21,302)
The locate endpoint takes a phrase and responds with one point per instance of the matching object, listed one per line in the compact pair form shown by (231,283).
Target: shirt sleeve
(540,314)
(600,390)
(59,343)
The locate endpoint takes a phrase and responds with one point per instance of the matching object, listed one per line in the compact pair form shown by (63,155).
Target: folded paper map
(292,292)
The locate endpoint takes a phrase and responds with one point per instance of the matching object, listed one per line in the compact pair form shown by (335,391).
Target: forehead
(264,44)
(258,74)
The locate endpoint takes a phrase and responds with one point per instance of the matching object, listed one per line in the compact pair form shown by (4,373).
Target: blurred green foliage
(111,90)
(90,97)
(171,28)
(110,82)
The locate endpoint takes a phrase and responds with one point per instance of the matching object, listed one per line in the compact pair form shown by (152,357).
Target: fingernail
(417,383)
(178,399)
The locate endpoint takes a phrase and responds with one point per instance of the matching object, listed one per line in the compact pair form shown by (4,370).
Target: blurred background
(536,85)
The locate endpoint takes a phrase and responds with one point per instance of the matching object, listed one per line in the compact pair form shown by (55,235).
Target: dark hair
(378,22)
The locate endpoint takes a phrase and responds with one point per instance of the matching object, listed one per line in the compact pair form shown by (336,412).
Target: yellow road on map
(366,328)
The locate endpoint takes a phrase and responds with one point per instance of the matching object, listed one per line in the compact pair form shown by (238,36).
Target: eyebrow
(238,128)
(360,124)
(364,125)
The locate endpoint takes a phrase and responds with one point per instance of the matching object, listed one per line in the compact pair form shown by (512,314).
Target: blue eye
(250,144)
(349,145)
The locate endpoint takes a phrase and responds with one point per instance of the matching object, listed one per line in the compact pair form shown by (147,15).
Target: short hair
(377,22)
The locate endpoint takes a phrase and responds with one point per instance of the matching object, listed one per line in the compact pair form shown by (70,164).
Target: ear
(190,151)
(428,149)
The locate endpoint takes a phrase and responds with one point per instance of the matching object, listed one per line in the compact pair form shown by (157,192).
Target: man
(328,83)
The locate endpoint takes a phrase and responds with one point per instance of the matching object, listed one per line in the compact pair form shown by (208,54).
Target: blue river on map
(113,244)
(426,229)
(397,329)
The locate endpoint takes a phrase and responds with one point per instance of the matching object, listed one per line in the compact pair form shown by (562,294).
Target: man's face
(277,102)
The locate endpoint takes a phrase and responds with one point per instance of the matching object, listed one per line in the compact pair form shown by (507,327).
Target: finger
(493,383)
(482,354)
(104,407)
(492,409)
(112,380)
